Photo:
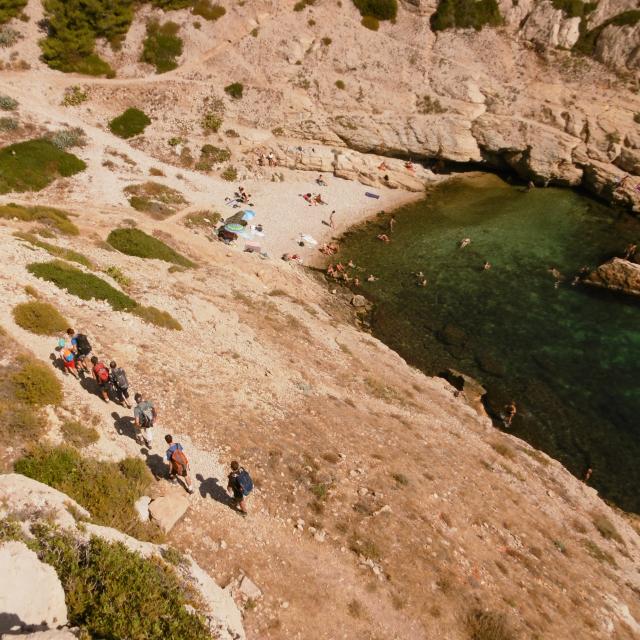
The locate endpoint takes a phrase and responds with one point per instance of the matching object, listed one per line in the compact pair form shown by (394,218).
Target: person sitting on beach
(383,237)
(465,242)
(320,181)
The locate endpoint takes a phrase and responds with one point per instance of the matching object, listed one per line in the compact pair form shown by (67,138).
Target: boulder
(358,301)
(167,510)
(249,589)
(31,596)
(617,275)
(141,506)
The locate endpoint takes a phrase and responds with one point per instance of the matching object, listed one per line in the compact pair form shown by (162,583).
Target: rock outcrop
(617,275)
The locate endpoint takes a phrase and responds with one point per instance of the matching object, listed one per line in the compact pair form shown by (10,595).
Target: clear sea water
(569,356)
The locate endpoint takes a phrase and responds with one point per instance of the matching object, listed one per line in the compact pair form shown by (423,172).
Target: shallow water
(569,356)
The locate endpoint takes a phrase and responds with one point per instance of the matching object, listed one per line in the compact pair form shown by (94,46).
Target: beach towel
(371,195)
(308,239)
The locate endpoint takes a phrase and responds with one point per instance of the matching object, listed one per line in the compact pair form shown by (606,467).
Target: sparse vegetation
(35,164)
(78,283)
(202,219)
(76,434)
(35,384)
(131,123)
(599,554)
(466,14)
(401,479)
(156,199)
(230,174)
(326,41)
(58,252)
(254,32)
(341,85)
(159,318)
(8,36)
(8,124)
(7,103)
(427,104)
(210,155)
(11,9)
(606,528)
(235,90)
(488,625)
(211,122)
(371,23)
(301,5)
(207,10)
(162,46)
(68,138)
(50,217)
(40,318)
(503,449)
(74,96)
(379,9)
(636,117)
(117,274)
(134,242)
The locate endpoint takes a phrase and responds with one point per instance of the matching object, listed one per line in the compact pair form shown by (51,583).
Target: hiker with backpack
(81,347)
(144,414)
(120,384)
(102,378)
(178,463)
(240,485)
(67,358)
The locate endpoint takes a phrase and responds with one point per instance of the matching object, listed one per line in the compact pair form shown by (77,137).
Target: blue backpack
(245,483)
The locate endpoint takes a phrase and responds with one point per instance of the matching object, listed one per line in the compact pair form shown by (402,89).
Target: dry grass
(606,528)
(488,625)
(503,449)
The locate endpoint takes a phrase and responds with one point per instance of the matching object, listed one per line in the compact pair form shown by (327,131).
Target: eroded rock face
(31,596)
(617,275)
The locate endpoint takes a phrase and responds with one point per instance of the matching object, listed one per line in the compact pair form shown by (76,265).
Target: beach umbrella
(248,215)
(234,228)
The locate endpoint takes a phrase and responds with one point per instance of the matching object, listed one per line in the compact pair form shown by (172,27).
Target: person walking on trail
(145,415)
(81,347)
(119,383)
(67,358)
(101,375)
(240,485)
(178,463)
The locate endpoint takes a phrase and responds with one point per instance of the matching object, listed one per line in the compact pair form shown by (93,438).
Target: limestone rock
(470,389)
(359,301)
(549,26)
(617,275)
(167,510)
(31,596)
(141,506)
(249,589)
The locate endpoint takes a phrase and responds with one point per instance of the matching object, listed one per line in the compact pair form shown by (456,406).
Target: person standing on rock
(178,463)
(145,415)
(240,485)
(119,383)
(101,375)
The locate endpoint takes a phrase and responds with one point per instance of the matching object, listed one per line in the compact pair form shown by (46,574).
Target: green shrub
(154,198)
(427,104)
(112,592)
(78,435)
(117,274)
(10,9)
(83,285)
(207,10)
(44,215)
(341,85)
(40,318)
(107,490)
(35,164)
(255,31)
(36,384)
(466,14)
(134,242)
(370,23)
(7,103)
(8,36)
(379,9)
(211,122)
(302,4)
(8,124)
(74,96)
(210,155)
(131,123)
(57,252)
(162,46)
(235,90)
(230,174)
(574,8)
(159,318)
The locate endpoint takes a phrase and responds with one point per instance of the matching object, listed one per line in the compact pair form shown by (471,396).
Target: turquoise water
(569,356)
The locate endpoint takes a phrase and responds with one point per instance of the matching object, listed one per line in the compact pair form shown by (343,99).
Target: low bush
(83,285)
(68,138)
(134,242)
(76,434)
(8,124)
(7,103)
(159,318)
(154,198)
(74,96)
(371,23)
(301,5)
(210,155)
(162,46)
(40,318)
(202,219)
(36,384)
(8,36)
(35,164)
(130,123)
(427,105)
(57,252)
(48,216)
(341,85)
(11,9)
(326,41)
(235,90)
(117,274)
(32,292)
(107,490)
(606,528)
(230,174)
(211,122)
(112,592)
(488,625)
(466,14)
(379,9)
(207,10)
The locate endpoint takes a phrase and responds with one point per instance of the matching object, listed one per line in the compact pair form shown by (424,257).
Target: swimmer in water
(465,242)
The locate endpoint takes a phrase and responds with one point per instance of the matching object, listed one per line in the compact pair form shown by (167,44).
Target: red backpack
(101,371)
(179,459)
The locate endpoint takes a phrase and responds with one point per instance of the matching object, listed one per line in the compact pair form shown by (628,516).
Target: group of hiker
(74,353)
